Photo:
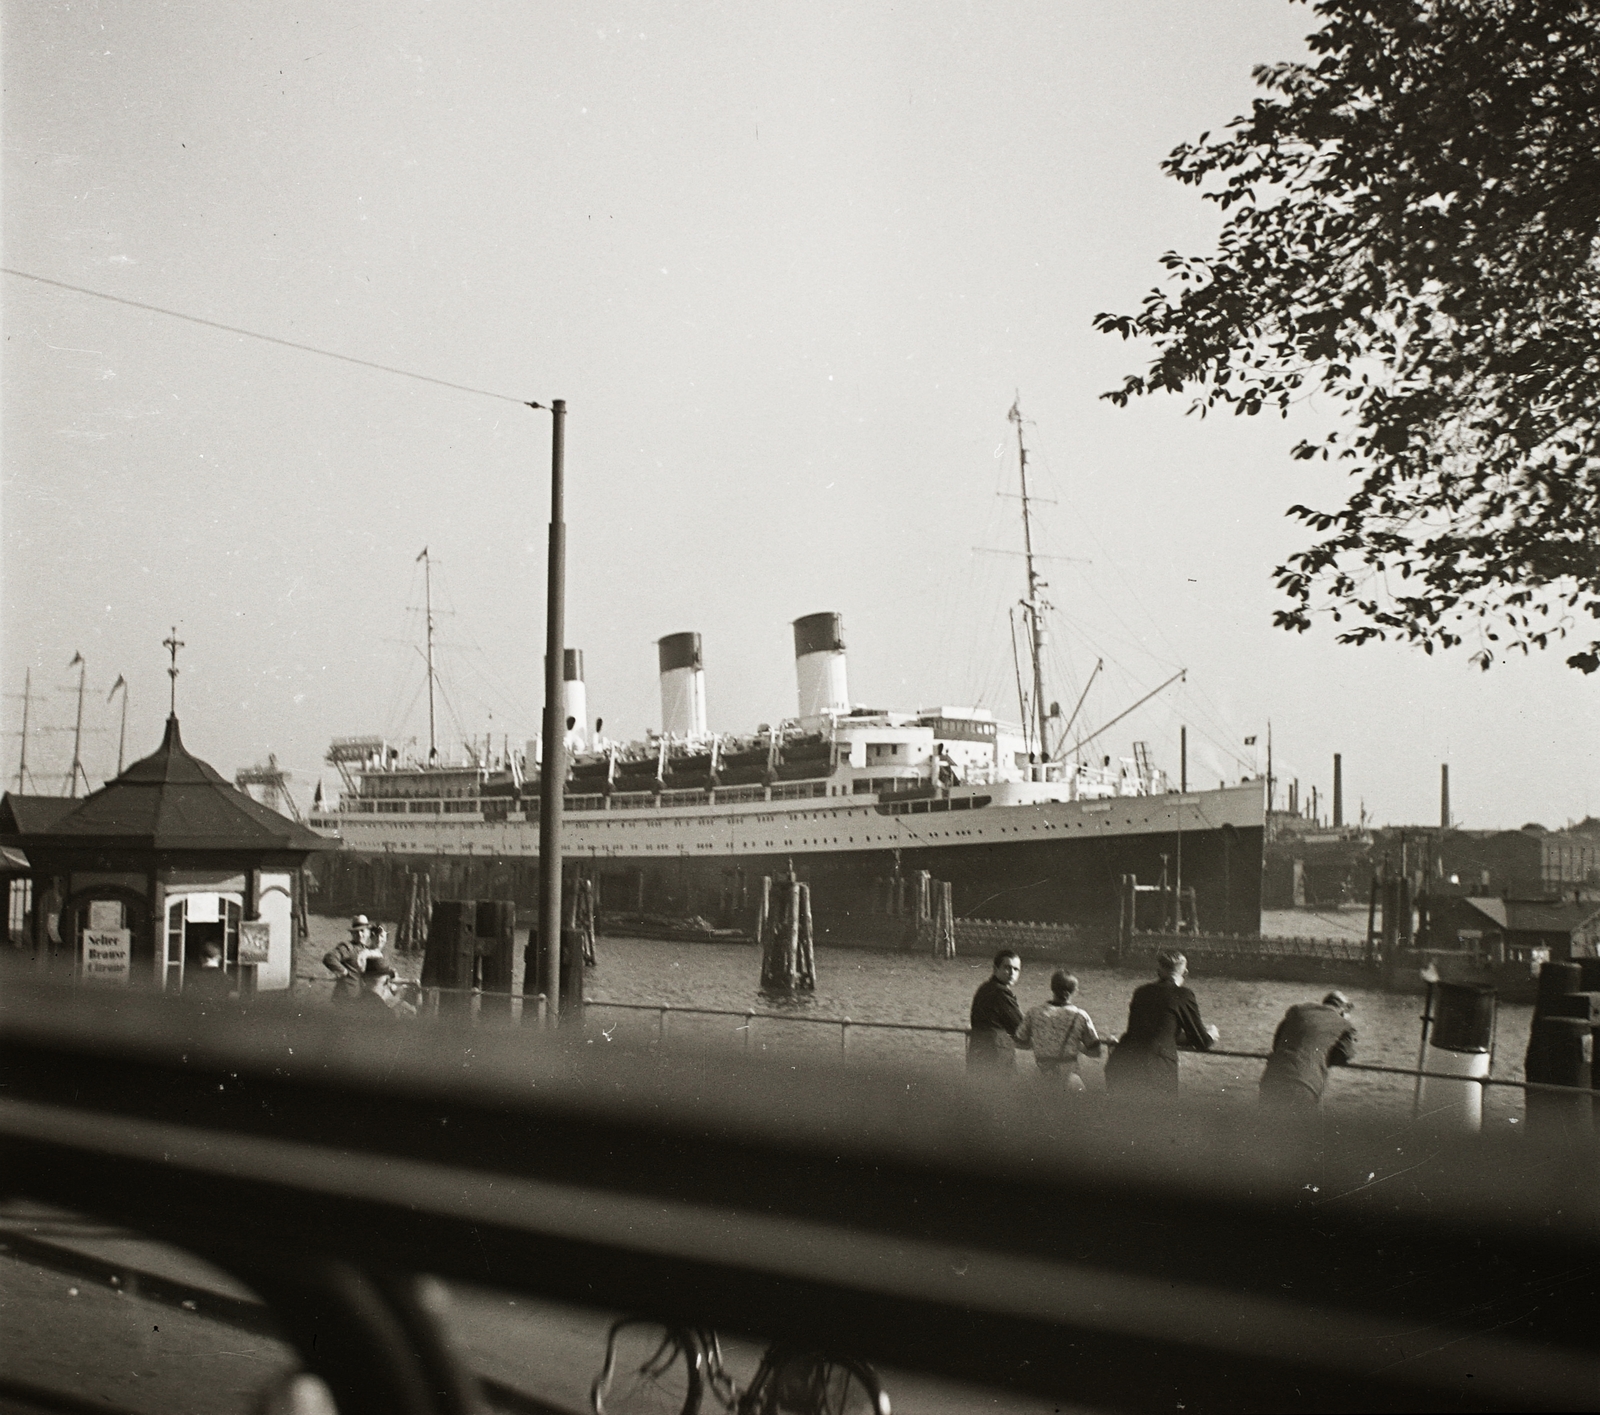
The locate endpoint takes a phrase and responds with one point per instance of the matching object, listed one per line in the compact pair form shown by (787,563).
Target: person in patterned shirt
(1058,1032)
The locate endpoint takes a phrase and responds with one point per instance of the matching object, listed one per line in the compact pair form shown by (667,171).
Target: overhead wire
(264,338)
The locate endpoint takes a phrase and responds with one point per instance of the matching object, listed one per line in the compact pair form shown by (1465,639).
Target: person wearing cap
(346,961)
(1312,1037)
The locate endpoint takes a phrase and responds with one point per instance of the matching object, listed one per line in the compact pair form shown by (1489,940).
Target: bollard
(1556,980)
(1560,1051)
(1561,1047)
(844,1035)
(450,957)
(495,945)
(749,1028)
(1463,1018)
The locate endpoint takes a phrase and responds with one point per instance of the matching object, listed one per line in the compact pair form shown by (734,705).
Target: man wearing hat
(1312,1037)
(346,961)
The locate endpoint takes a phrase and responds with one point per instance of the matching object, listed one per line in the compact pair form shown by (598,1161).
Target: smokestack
(1338,789)
(575,700)
(1444,796)
(683,686)
(819,666)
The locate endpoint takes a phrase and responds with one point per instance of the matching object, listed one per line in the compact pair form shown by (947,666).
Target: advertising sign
(105,914)
(255,938)
(107,955)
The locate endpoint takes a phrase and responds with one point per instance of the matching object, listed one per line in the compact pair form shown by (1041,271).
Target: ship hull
(1042,862)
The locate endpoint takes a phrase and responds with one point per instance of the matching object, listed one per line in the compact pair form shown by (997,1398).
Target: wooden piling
(764,910)
(583,920)
(805,950)
(944,923)
(788,951)
(412,934)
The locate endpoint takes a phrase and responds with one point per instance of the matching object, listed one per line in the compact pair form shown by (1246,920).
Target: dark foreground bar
(1146,1260)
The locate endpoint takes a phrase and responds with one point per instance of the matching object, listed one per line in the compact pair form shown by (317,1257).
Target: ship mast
(76,770)
(1034,605)
(27,698)
(121,686)
(427,582)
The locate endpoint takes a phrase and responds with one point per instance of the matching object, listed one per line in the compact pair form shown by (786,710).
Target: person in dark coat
(996,1015)
(346,961)
(1162,1017)
(377,979)
(1312,1037)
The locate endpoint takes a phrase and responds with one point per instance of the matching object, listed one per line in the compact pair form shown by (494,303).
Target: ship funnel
(574,700)
(683,686)
(819,666)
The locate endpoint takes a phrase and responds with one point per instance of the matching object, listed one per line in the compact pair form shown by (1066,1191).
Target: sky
(789,265)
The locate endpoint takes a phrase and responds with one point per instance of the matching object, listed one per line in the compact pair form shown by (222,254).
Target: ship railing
(531,1008)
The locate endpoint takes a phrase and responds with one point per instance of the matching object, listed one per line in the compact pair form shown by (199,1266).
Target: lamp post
(553,763)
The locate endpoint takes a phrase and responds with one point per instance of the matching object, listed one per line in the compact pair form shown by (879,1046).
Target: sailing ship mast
(1034,605)
(76,769)
(427,582)
(121,685)
(27,699)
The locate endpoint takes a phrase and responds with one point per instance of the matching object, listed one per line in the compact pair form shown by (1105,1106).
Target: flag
(120,683)
(422,555)
(77,658)
(1249,741)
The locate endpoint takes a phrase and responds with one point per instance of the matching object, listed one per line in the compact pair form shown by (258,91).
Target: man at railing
(1312,1037)
(1162,1017)
(996,1015)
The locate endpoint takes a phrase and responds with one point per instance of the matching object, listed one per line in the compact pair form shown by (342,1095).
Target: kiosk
(167,877)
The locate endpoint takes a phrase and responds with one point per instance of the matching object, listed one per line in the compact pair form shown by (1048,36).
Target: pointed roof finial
(172,644)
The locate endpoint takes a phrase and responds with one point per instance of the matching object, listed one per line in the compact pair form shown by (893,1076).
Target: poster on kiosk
(107,955)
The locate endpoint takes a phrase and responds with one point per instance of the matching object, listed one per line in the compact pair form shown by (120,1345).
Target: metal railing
(520,1006)
(750,1015)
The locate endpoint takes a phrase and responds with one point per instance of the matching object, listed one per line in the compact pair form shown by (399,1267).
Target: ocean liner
(683,825)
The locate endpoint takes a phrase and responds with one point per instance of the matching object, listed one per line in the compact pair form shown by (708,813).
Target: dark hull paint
(1060,881)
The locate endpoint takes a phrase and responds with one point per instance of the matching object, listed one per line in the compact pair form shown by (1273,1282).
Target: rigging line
(1084,742)
(509,697)
(1208,708)
(1217,719)
(399,721)
(398,682)
(265,338)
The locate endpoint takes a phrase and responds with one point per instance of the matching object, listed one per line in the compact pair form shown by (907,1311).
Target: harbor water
(903,988)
